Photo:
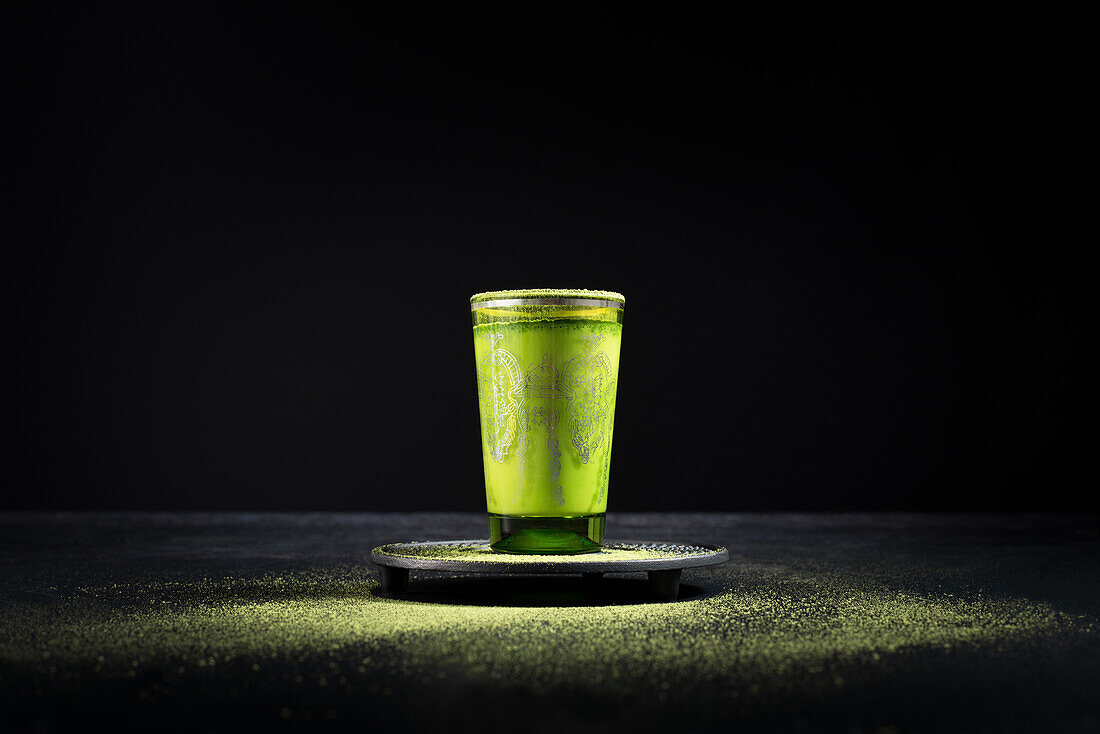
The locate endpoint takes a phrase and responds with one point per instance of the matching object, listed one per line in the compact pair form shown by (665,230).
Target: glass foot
(546,535)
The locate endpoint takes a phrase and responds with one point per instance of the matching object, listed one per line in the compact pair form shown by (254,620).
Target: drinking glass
(547,369)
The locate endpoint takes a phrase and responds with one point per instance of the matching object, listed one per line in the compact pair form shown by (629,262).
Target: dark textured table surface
(868,623)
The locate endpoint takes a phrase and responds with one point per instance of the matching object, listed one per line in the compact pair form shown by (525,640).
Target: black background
(250,233)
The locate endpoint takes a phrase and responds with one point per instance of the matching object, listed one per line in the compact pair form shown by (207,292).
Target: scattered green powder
(763,632)
(799,635)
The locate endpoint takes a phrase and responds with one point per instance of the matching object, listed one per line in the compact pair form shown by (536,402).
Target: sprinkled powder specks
(759,632)
(779,638)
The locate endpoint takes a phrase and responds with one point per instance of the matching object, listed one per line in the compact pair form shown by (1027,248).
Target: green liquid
(546,391)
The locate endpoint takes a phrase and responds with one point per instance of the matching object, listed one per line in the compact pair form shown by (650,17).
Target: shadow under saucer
(538,591)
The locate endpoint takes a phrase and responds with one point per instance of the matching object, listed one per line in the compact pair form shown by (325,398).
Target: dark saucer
(663,562)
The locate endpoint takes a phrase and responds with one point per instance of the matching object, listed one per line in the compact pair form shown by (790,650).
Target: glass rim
(548,297)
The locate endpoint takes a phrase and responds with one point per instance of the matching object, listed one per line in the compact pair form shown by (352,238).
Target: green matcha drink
(547,369)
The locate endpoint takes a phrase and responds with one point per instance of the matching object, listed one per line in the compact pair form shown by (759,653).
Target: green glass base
(546,535)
